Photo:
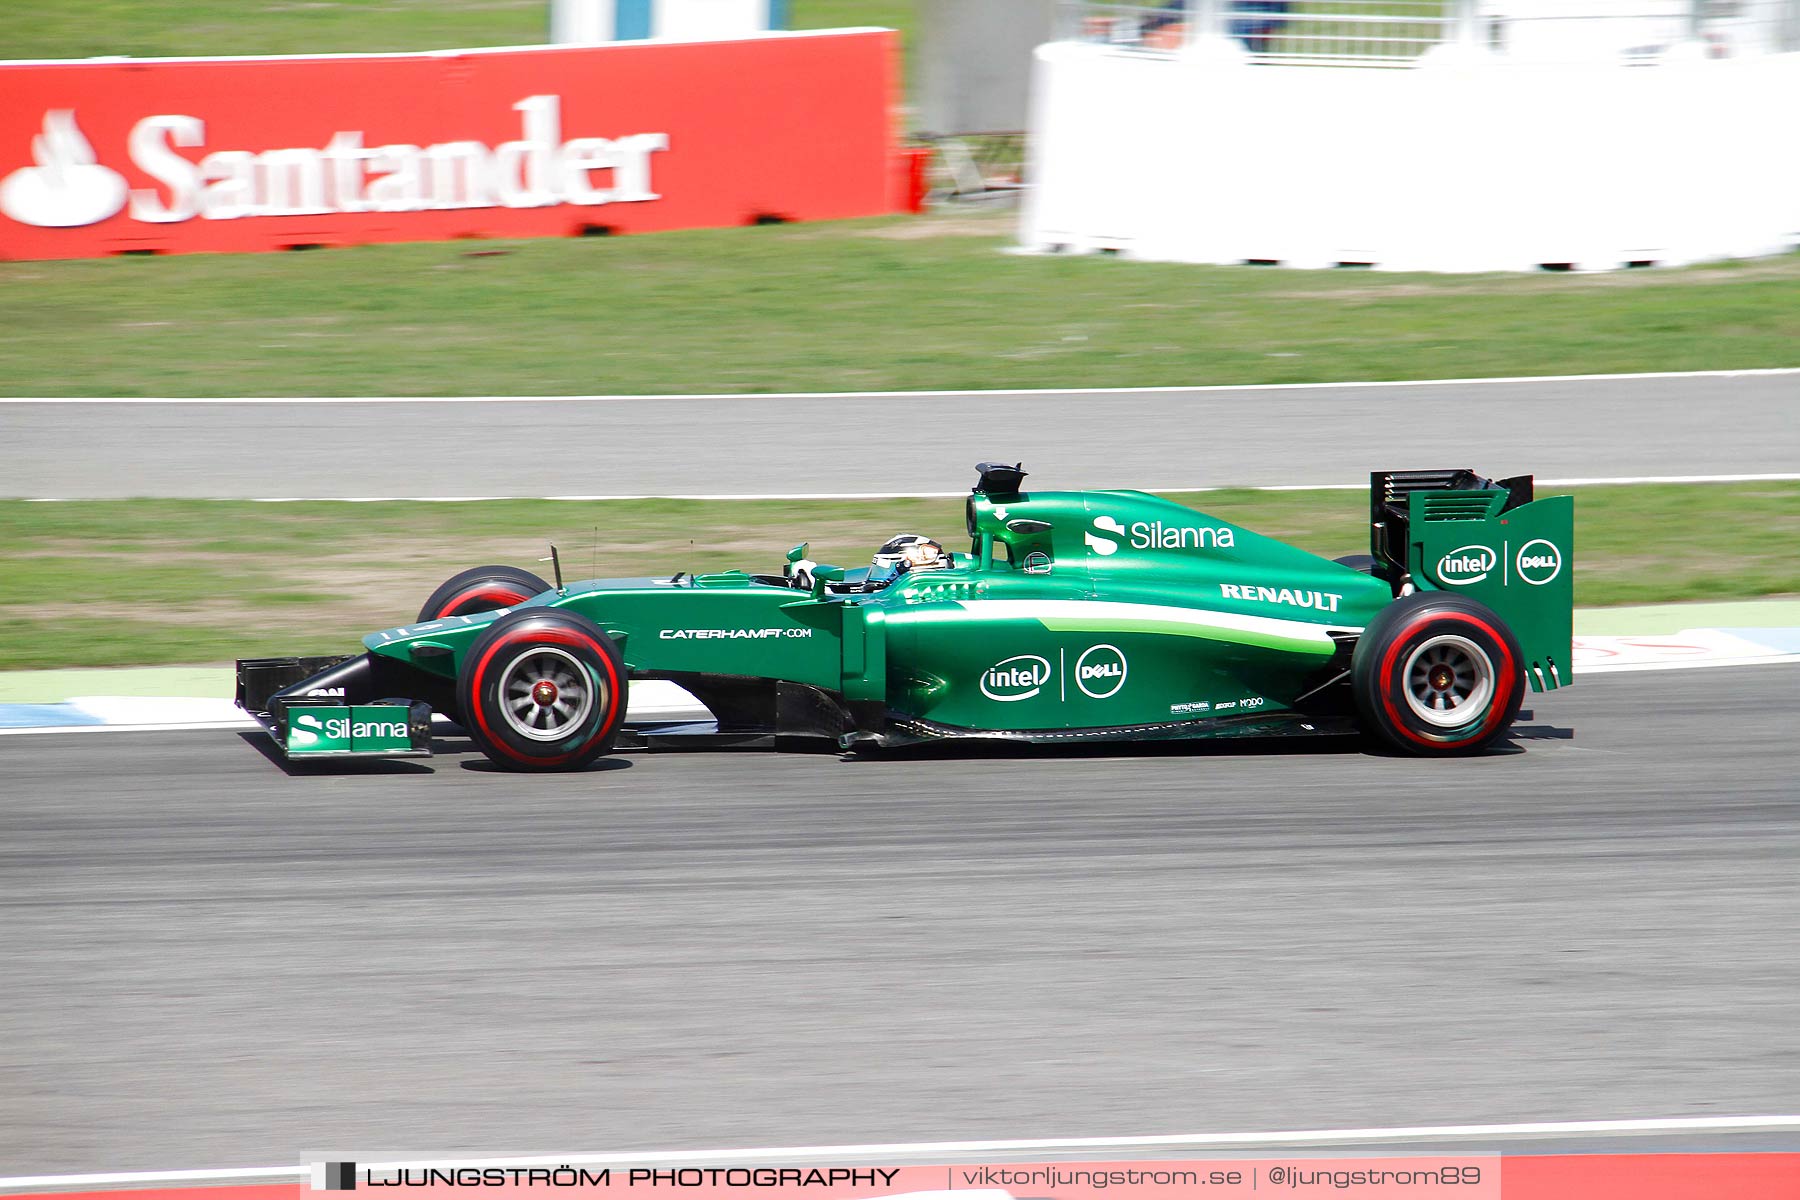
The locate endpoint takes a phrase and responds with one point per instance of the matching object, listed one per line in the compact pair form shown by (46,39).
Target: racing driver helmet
(908,552)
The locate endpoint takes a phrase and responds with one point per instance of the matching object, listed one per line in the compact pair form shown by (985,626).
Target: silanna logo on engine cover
(1018,678)
(1108,533)
(1466,565)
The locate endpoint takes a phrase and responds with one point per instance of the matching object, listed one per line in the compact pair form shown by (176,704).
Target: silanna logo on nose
(67,186)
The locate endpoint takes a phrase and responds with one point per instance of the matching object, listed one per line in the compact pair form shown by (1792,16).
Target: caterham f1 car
(1074,616)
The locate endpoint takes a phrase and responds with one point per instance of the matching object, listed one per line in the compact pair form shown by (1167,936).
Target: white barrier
(590,22)
(1465,162)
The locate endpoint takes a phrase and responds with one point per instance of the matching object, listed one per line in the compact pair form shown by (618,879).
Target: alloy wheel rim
(1448,681)
(546,694)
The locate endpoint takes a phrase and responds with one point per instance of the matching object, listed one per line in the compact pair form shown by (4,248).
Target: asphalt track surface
(213,962)
(1629,426)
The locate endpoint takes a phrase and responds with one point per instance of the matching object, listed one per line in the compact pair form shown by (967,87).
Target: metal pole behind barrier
(1207,18)
(1787,32)
(1466,22)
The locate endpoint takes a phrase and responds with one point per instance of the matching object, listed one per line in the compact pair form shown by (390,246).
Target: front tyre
(542,689)
(481,589)
(1437,674)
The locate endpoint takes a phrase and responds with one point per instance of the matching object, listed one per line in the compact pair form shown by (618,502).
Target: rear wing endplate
(1490,540)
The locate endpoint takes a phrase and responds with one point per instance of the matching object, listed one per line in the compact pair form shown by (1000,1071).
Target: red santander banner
(184,155)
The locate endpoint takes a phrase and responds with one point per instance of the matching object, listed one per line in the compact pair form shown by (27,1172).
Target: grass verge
(116,583)
(893,303)
(160,28)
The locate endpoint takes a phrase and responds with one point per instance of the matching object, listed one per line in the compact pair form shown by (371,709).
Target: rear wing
(1490,540)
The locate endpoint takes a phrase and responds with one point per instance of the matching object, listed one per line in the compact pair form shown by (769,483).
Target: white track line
(1683,664)
(1596,481)
(475,51)
(246,724)
(1486,381)
(941,1151)
(651,700)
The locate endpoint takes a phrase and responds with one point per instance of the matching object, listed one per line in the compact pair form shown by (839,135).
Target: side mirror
(823,576)
(797,553)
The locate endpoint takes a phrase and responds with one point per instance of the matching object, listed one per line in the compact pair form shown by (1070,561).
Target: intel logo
(1018,678)
(1466,565)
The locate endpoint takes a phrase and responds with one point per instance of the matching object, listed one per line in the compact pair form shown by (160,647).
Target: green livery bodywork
(1092,614)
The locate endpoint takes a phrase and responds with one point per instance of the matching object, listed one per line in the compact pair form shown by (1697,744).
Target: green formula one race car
(1074,616)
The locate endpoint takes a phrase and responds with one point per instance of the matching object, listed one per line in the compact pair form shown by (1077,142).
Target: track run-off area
(220,961)
(1664,426)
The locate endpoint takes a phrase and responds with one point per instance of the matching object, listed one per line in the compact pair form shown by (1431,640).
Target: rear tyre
(481,589)
(1437,674)
(542,689)
(1357,562)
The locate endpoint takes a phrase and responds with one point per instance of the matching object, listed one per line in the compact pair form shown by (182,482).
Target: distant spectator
(1256,23)
(1258,33)
(1165,30)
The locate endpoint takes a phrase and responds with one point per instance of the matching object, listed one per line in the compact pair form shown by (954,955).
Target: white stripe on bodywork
(1190,622)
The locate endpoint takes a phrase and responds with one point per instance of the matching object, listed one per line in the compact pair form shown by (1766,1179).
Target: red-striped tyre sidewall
(481,589)
(1380,683)
(479,599)
(478,684)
